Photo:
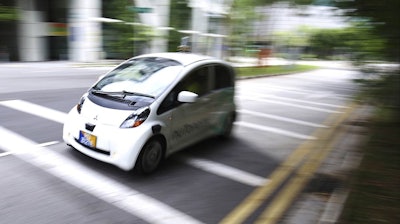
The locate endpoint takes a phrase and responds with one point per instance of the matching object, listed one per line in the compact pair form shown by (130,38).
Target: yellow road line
(285,198)
(257,197)
(278,176)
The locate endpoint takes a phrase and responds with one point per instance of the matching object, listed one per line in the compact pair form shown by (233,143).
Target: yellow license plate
(87,139)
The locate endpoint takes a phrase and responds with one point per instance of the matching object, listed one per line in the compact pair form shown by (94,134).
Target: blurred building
(59,30)
(41,32)
(73,29)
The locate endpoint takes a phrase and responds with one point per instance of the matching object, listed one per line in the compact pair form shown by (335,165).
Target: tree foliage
(382,17)
(180,17)
(124,39)
(299,37)
(117,40)
(8,13)
(360,44)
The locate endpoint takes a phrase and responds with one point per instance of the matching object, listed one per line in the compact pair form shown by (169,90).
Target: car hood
(96,114)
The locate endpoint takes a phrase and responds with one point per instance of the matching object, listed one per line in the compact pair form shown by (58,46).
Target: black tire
(227,126)
(150,157)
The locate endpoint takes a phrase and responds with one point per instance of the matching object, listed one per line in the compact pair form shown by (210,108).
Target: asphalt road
(45,181)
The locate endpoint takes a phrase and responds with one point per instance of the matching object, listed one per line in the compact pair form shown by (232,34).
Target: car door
(189,121)
(221,96)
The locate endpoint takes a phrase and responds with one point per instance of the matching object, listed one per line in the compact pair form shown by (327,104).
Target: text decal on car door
(188,129)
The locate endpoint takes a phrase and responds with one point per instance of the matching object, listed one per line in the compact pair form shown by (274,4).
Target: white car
(151,106)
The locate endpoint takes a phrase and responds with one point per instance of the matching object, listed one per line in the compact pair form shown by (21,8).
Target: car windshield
(145,76)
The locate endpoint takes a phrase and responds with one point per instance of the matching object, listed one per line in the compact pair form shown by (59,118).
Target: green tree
(357,41)
(299,37)
(8,13)
(180,17)
(126,38)
(242,15)
(383,19)
(324,42)
(117,37)
(239,21)
(363,43)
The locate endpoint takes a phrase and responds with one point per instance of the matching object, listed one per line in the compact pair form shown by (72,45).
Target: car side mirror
(187,97)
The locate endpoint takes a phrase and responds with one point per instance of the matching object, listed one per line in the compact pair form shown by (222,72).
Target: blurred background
(92,30)
(365,33)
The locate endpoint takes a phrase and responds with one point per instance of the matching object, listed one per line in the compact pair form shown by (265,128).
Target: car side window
(223,77)
(169,102)
(196,81)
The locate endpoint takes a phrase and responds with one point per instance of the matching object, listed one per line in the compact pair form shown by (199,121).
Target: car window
(149,76)
(196,81)
(223,77)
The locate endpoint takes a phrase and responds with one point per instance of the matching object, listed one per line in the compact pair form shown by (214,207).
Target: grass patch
(272,70)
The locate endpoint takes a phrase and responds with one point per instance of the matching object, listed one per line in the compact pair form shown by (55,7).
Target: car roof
(183,58)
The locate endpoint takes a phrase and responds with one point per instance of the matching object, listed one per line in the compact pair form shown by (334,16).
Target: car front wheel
(150,157)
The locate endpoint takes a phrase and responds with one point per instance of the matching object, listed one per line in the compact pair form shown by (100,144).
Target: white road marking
(279,118)
(321,95)
(41,145)
(225,171)
(290,104)
(44,144)
(264,87)
(267,87)
(248,94)
(5,154)
(95,183)
(274,130)
(35,109)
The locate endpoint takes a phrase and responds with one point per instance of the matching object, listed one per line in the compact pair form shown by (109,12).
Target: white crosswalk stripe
(262,96)
(95,183)
(274,130)
(280,118)
(225,171)
(280,102)
(35,109)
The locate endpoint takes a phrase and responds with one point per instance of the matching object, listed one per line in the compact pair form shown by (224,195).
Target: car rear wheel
(150,157)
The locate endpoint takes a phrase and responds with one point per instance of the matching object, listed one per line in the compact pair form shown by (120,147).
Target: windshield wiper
(123,92)
(137,94)
(101,92)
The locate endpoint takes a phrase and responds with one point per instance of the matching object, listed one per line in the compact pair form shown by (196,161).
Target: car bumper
(113,145)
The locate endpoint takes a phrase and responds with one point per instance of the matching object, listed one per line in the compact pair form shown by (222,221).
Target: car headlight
(80,104)
(137,118)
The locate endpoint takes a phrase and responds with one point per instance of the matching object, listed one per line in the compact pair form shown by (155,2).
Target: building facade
(44,30)
(76,30)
